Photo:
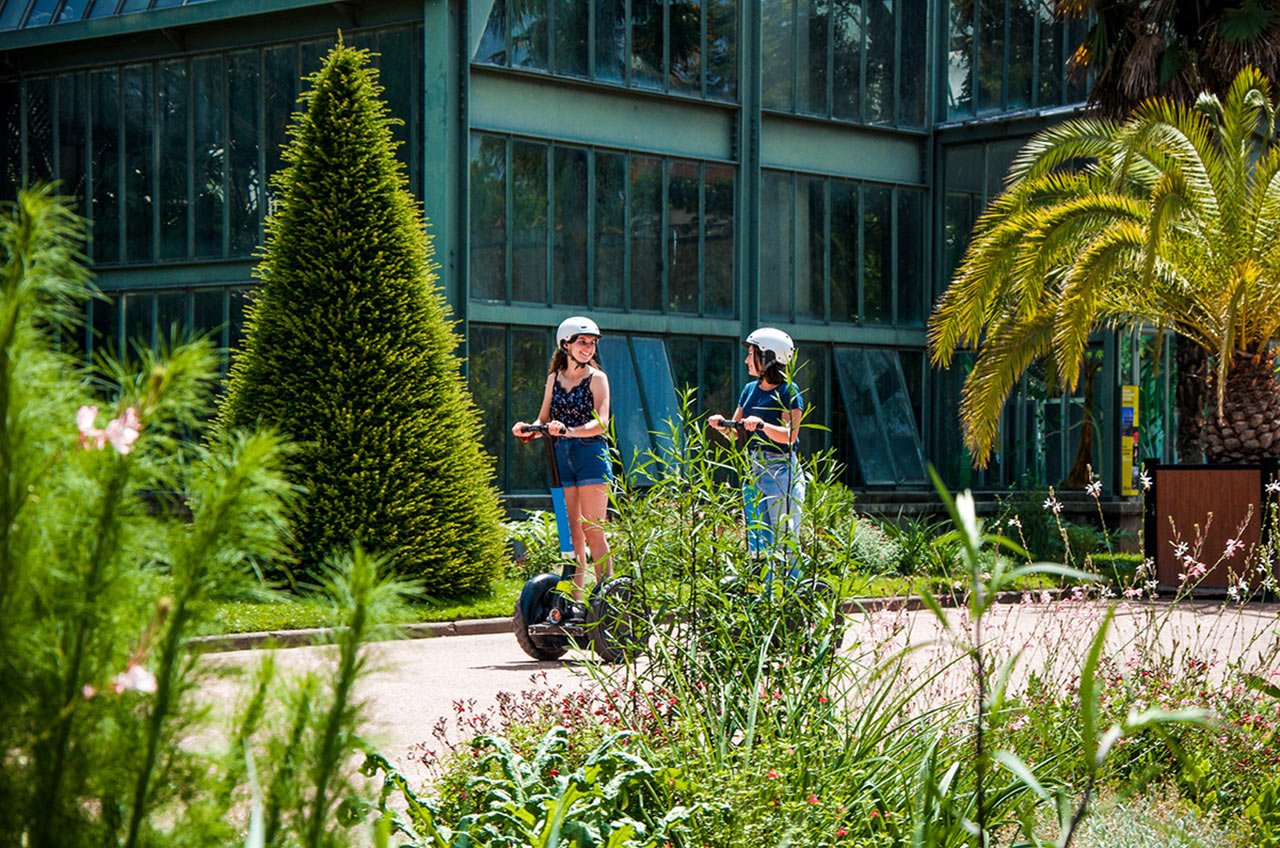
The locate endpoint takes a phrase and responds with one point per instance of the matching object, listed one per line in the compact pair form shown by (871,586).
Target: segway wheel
(617,621)
(535,601)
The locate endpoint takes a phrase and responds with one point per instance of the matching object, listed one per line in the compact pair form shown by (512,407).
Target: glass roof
(25,14)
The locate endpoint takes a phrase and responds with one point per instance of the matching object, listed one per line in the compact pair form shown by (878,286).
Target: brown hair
(560,360)
(771,373)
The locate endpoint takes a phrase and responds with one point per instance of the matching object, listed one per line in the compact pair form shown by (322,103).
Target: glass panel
(487,380)
(949,451)
(685,40)
(811,56)
(1000,156)
(1050,70)
(682,237)
(959,223)
(139,322)
(105,88)
(811,248)
(896,415)
(611,230)
(717,391)
(776,216)
(280,91)
(717,241)
(1021,54)
(881,34)
(844,251)
(810,376)
(661,406)
(40,129)
(311,54)
(777,53)
(102,8)
(569,239)
(722,49)
(529,226)
(611,40)
(529,35)
(965,168)
(570,34)
(1077,83)
(133,6)
(174,99)
(912,362)
(72,10)
(399,70)
(847,25)
(244,183)
(493,43)
(626,409)
(106,327)
(877,260)
(71,137)
(647,69)
(139,152)
(11,139)
(41,12)
(171,316)
(858,391)
(207,317)
(11,16)
(960,58)
(682,353)
(646,233)
(488,218)
(527,468)
(238,301)
(911,82)
(913,295)
(990,53)
(208,84)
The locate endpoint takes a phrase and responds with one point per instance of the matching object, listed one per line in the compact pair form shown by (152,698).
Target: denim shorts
(583,462)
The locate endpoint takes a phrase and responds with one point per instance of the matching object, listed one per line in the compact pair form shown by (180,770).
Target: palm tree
(1170,218)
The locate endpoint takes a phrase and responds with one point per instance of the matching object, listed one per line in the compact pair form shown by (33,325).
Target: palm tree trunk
(1190,395)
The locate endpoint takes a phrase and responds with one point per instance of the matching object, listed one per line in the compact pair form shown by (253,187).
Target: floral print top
(574,407)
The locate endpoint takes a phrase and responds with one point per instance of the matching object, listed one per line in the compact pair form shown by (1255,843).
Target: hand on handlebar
(524,432)
(752,423)
(557,428)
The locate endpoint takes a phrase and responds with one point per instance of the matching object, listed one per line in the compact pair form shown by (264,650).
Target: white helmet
(775,345)
(575,326)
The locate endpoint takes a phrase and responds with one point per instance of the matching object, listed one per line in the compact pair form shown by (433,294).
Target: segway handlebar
(553,468)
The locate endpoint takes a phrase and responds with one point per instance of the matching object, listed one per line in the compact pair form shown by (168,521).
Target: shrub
(349,351)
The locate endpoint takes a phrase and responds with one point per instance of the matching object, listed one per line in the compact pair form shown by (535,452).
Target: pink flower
(88,691)
(813,799)
(822,699)
(85,417)
(1233,545)
(134,679)
(772,775)
(842,832)
(122,432)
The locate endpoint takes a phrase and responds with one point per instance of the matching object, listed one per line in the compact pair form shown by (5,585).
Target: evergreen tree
(349,351)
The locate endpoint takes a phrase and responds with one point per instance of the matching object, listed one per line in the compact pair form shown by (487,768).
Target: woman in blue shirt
(770,409)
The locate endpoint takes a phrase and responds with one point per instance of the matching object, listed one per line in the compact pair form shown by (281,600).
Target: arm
(785,433)
(716,421)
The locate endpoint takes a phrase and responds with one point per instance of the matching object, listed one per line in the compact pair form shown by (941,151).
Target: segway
(543,621)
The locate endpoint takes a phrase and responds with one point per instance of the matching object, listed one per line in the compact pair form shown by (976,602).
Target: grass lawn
(249,617)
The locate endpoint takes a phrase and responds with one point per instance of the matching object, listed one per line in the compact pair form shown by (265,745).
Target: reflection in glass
(40,129)
(877,260)
(527,466)
(72,10)
(1052,62)
(722,49)
(569,237)
(896,415)
(104,318)
(684,42)
(776,215)
(238,302)
(683,354)
(718,389)
(139,322)
(912,285)
(493,43)
(105,92)
(208,318)
(844,253)
(611,40)
(71,130)
(529,34)
(1021,53)
(682,237)
(960,58)
(717,250)
(662,412)
(398,63)
(647,67)
(626,410)
(870,446)
(280,89)
(646,233)
(912,362)
(209,153)
(41,12)
(811,252)
(813,35)
(569,51)
(611,230)
(244,183)
(486,379)
(171,316)
(173,110)
(911,78)
(959,223)
(488,273)
(990,54)
(529,224)
(139,120)
(811,376)
(881,74)
(777,55)
(848,24)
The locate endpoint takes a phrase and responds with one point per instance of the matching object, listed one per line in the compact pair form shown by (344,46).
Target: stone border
(482,626)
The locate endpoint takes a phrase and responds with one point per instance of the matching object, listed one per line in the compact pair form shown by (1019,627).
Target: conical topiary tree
(349,351)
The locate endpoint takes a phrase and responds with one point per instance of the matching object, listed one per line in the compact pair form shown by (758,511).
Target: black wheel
(617,620)
(535,601)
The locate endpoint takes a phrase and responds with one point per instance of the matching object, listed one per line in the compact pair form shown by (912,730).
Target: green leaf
(1014,763)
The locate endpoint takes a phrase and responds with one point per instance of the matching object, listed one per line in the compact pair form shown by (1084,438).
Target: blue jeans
(774,498)
(583,462)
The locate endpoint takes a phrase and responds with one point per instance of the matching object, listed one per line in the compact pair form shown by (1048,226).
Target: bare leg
(572,507)
(593,501)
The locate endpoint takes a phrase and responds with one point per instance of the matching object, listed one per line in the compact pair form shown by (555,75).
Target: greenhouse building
(682,171)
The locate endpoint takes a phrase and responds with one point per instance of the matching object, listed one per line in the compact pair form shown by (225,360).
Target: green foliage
(350,352)
(536,543)
(102,740)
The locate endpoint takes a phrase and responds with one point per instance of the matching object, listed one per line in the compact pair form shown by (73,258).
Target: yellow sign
(1130,465)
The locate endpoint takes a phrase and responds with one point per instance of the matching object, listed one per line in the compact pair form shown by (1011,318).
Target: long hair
(560,361)
(771,373)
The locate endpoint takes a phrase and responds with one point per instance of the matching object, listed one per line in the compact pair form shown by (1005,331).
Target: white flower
(1052,503)
(1144,481)
(1014,522)
(1233,545)
(1180,549)
(1094,489)
(968,512)
(1233,593)
(1273,487)
(134,679)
